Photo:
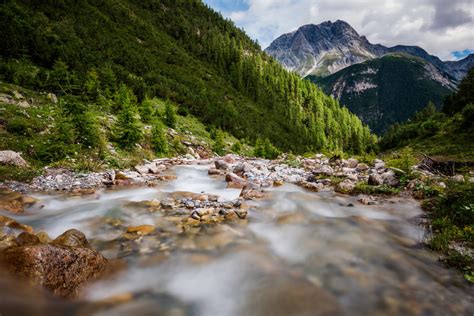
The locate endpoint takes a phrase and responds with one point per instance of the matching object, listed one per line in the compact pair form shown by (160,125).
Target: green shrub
(265,149)
(403,160)
(219,145)
(147,110)
(170,116)
(468,116)
(236,147)
(158,138)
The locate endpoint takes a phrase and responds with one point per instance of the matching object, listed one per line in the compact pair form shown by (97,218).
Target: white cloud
(439,26)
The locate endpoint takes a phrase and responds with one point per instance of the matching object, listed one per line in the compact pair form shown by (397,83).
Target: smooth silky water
(297,253)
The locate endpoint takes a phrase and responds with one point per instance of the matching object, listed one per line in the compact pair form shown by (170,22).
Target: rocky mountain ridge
(328,47)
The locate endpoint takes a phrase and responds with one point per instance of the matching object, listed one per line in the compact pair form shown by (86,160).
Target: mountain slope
(329,47)
(387,90)
(179,50)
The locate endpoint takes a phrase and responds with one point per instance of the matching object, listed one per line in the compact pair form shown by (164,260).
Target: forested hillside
(446,133)
(387,90)
(173,49)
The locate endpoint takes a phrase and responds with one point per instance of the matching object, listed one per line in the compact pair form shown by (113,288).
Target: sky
(444,28)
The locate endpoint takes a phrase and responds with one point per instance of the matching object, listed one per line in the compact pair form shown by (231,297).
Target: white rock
(9,157)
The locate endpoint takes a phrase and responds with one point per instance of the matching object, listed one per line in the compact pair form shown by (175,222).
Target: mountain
(328,47)
(107,57)
(387,90)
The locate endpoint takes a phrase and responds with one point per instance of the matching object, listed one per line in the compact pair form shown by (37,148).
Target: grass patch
(452,220)
(363,188)
(9,173)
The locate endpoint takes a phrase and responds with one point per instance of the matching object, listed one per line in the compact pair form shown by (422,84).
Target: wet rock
(366,201)
(362,167)
(61,269)
(11,223)
(234,181)
(375,179)
(43,237)
(230,158)
(345,186)
(9,157)
(251,194)
(213,172)
(242,214)
(71,238)
(221,165)
(195,215)
(141,230)
(168,203)
(278,183)
(25,239)
(312,186)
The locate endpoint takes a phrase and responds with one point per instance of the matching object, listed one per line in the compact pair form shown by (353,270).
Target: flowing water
(297,253)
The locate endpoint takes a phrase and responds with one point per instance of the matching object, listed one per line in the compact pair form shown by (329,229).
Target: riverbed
(296,253)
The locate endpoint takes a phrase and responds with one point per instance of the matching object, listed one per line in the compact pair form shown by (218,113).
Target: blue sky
(227,5)
(443,28)
(462,54)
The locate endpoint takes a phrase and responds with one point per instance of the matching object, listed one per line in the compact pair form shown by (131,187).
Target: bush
(403,160)
(236,147)
(219,145)
(158,138)
(147,111)
(170,116)
(265,149)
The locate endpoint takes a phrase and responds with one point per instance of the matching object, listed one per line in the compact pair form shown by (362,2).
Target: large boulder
(221,165)
(350,163)
(9,157)
(62,266)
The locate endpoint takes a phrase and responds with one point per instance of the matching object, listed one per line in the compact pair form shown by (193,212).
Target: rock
(71,238)
(229,158)
(362,167)
(213,172)
(221,165)
(141,230)
(458,178)
(312,186)
(11,223)
(389,178)
(251,194)
(345,186)
(25,239)
(142,169)
(61,269)
(11,201)
(168,203)
(242,214)
(375,179)
(195,215)
(366,201)
(234,181)
(9,157)
(43,237)
(52,97)
(242,168)
(278,183)
(324,170)
(379,165)
(352,177)
(351,163)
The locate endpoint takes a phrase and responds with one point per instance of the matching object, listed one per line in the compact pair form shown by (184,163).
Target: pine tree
(158,138)
(147,110)
(128,126)
(170,116)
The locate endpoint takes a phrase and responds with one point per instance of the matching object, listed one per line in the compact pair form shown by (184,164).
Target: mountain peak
(325,48)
